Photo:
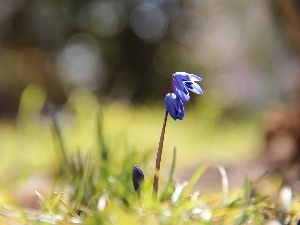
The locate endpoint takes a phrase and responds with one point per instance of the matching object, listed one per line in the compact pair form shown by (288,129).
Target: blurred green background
(78,57)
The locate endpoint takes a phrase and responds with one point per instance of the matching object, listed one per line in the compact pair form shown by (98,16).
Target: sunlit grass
(102,142)
(27,145)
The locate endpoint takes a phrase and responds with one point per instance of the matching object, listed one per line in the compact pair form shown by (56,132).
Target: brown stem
(159,153)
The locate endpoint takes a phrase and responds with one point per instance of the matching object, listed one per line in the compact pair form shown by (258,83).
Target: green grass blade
(52,203)
(70,210)
(225,183)
(84,182)
(57,134)
(42,201)
(170,186)
(194,179)
(101,141)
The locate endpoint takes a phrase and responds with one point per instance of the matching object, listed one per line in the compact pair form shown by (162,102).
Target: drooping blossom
(174,106)
(183,83)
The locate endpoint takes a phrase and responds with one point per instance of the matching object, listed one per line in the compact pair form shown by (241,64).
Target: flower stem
(159,153)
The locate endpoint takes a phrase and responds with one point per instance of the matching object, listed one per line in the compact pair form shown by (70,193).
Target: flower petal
(181,111)
(187,76)
(170,105)
(194,77)
(182,94)
(177,81)
(192,86)
(174,106)
(182,82)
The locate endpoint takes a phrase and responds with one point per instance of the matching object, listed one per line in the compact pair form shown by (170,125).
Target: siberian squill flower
(181,84)
(174,106)
(184,82)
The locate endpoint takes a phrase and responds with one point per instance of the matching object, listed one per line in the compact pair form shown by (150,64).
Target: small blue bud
(137,178)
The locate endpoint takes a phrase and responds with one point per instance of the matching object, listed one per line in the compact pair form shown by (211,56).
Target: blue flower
(137,178)
(184,82)
(174,106)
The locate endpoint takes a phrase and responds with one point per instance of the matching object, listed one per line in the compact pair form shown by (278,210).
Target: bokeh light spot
(148,21)
(104,18)
(80,61)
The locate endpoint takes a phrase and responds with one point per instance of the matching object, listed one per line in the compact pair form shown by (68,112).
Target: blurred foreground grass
(103,142)
(27,144)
